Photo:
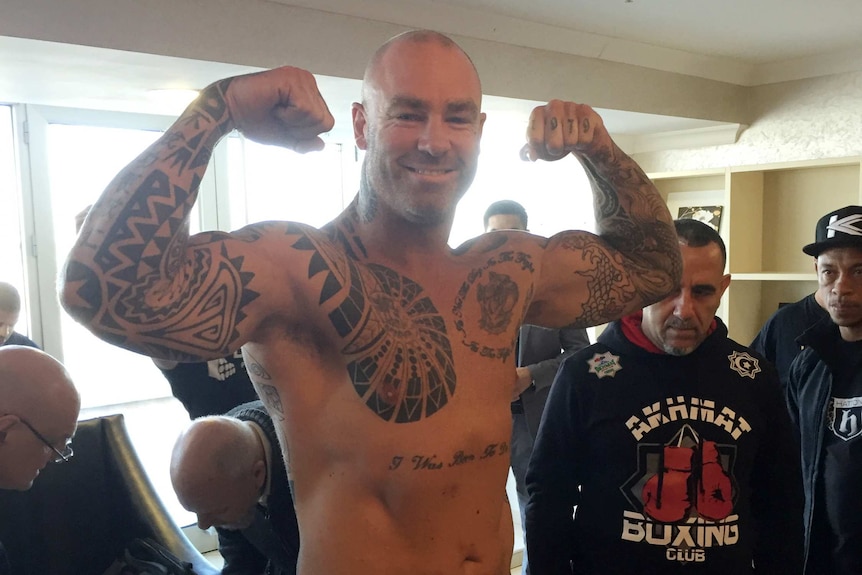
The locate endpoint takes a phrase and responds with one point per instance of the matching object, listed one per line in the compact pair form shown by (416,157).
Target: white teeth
(430,172)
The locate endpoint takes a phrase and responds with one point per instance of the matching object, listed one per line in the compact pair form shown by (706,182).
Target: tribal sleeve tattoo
(633,219)
(134,278)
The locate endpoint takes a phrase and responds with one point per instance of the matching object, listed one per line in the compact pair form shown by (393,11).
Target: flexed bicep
(198,309)
(634,260)
(134,277)
(586,282)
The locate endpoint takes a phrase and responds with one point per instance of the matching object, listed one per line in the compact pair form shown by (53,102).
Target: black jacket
(809,390)
(681,464)
(5,568)
(776,340)
(539,350)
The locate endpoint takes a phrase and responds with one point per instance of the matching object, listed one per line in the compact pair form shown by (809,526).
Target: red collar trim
(631,326)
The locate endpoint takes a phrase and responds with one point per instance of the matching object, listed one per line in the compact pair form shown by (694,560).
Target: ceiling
(752,31)
(746,42)
(738,41)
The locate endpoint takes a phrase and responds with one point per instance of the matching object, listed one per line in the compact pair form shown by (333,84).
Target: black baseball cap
(839,229)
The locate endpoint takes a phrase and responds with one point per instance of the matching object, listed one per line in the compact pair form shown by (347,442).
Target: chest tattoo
(401,360)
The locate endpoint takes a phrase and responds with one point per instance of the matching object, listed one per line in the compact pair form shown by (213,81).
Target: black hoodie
(676,464)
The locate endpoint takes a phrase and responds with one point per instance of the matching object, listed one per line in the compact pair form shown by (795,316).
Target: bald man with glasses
(39,408)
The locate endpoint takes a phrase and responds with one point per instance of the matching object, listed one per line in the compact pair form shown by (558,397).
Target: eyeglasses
(60,456)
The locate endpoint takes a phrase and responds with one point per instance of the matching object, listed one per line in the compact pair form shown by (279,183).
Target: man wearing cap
(824,396)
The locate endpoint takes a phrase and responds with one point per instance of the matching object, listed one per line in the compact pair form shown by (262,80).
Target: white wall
(800,120)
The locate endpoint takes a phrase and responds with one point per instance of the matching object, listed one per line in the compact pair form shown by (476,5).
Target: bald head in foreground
(228,470)
(39,409)
(218,471)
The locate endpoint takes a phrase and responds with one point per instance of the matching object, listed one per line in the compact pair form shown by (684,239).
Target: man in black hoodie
(671,442)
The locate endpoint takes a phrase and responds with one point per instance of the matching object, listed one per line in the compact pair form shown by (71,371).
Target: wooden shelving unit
(768,213)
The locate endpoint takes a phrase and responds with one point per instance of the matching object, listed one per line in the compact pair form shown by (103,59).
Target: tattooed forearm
(632,218)
(132,277)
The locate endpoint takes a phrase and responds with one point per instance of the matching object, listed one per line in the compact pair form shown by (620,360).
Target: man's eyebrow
(459,106)
(454,107)
(407,102)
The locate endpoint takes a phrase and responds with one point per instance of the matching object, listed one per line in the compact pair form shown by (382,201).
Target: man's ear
(259,473)
(360,123)
(725,281)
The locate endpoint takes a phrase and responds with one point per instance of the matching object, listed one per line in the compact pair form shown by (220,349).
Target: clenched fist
(558,128)
(281,106)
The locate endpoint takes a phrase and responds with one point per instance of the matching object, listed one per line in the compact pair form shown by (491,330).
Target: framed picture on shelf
(710,215)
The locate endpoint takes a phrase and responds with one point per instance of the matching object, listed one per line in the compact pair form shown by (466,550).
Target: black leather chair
(80,515)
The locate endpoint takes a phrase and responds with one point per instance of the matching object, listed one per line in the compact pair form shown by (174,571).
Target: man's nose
(204,522)
(842,284)
(434,139)
(683,305)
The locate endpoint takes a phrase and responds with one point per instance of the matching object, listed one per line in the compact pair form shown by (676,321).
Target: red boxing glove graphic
(714,490)
(665,494)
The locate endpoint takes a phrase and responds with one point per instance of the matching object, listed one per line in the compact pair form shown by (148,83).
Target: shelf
(769,212)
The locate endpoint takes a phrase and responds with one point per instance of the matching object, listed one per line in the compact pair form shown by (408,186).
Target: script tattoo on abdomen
(420,462)
(401,364)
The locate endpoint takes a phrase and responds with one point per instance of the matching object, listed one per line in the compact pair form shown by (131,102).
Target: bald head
(420,115)
(35,391)
(33,381)
(10,300)
(377,63)
(10,308)
(218,470)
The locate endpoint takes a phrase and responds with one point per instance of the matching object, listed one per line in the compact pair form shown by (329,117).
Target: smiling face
(679,323)
(839,274)
(420,124)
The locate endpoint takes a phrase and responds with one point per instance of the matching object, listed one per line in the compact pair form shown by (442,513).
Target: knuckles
(280,106)
(560,127)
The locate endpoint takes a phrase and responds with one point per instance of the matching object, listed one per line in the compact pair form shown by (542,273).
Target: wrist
(214,104)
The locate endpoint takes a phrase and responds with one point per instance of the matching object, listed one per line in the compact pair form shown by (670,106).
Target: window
(82,160)
(273,183)
(11,220)
(556,195)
